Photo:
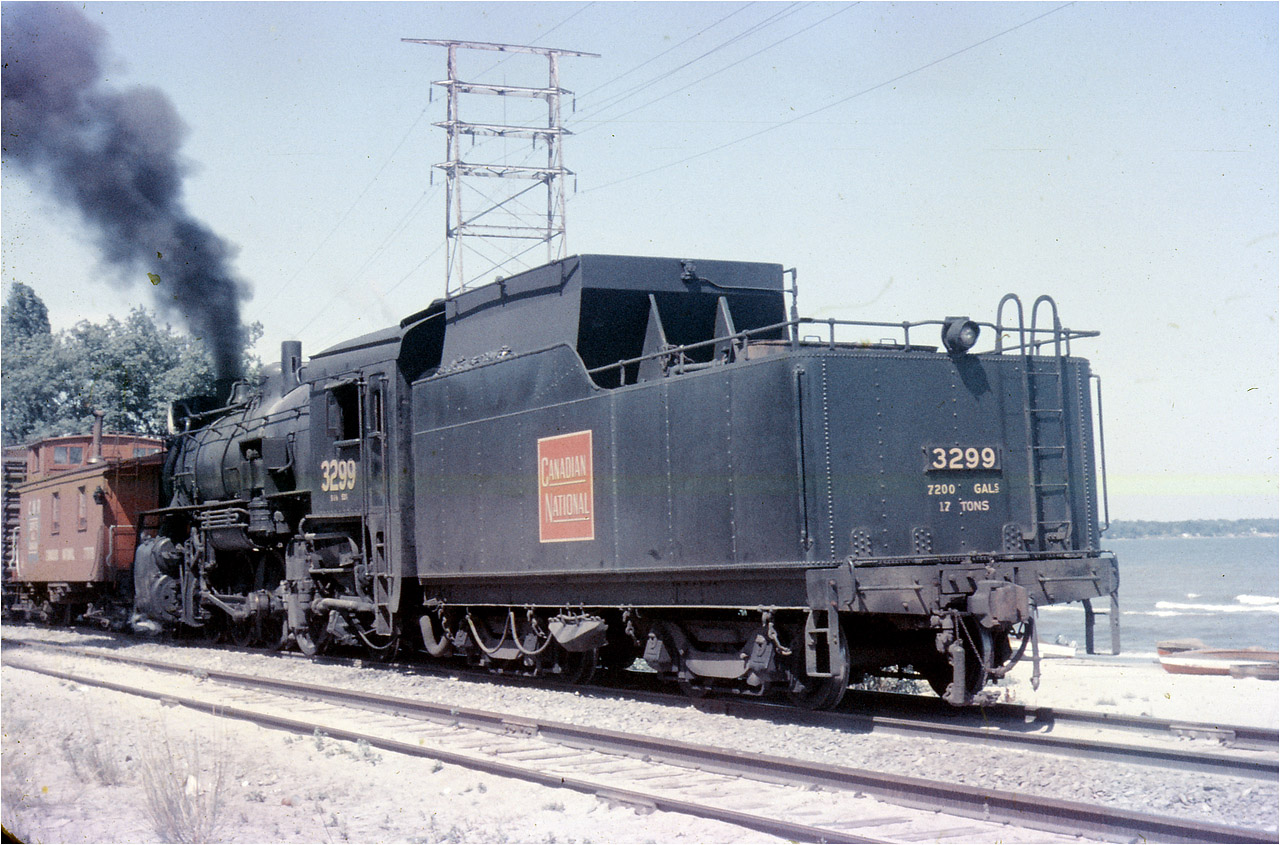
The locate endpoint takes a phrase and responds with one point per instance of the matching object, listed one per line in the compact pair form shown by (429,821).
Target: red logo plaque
(566,505)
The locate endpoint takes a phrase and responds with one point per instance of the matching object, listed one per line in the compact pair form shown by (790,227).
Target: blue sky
(911,160)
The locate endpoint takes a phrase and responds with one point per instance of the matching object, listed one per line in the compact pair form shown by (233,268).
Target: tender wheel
(939,673)
(578,667)
(381,646)
(618,653)
(821,693)
(691,689)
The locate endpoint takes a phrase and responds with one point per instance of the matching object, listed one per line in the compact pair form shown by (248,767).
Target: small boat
(1166,647)
(1250,662)
(1261,671)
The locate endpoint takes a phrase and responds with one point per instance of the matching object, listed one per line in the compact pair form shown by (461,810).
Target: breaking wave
(1263,604)
(1244,604)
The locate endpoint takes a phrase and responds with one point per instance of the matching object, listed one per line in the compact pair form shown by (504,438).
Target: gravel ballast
(280,781)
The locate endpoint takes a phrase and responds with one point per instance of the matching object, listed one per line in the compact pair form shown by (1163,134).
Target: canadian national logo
(566,505)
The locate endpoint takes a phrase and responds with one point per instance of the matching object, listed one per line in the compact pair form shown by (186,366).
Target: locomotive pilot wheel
(314,640)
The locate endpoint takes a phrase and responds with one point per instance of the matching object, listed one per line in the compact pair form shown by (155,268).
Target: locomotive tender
(614,457)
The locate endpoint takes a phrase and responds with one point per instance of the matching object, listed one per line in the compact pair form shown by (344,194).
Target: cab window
(344,412)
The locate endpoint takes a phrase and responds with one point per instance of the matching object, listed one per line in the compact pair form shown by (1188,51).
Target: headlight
(959,334)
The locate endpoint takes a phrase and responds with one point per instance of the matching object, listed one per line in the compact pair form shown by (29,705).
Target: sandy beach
(1137,685)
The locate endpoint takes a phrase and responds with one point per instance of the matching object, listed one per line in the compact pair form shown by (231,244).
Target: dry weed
(87,755)
(185,788)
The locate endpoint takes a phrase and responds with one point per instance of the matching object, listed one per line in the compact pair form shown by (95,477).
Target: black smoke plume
(114,156)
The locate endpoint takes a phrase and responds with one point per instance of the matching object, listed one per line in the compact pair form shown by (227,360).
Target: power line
(831,105)
(345,288)
(702,79)
(399,226)
(746,33)
(325,240)
(541,37)
(653,59)
(387,292)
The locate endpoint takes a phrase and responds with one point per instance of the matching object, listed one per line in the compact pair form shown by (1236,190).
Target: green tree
(24,315)
(131,370)
(27,392)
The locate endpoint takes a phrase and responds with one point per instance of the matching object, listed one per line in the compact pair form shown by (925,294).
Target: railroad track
(1238,751)
(1229,750)
(769,794)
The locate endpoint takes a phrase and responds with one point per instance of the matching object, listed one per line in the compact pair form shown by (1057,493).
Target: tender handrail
(1028,343)
(1022,324)
(1057,338)
(1102,454)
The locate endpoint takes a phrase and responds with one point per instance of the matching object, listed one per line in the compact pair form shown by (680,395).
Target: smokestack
(290,363)
(114,156)
(95,450)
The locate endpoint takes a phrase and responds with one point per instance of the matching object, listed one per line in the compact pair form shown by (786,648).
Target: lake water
(1224,591)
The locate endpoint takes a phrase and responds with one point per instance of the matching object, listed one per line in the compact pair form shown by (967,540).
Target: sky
(911,160)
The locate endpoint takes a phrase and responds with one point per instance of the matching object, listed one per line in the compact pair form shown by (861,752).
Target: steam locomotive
(609,458)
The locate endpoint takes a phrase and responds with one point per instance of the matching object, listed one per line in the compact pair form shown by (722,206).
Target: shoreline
(1267,535)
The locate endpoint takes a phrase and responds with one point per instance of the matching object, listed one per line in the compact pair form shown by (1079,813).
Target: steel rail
(1039,812)
(986,725)
(774,827)
(1021,714)
(988,728)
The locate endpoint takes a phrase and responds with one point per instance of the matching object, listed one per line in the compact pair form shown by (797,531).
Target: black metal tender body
(612,457)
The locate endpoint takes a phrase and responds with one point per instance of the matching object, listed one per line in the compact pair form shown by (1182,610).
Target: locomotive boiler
(609,458)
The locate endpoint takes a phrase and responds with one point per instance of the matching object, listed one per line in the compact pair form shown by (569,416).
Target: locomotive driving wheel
(245,632)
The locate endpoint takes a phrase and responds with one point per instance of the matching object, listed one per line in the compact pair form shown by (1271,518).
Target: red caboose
(76,535)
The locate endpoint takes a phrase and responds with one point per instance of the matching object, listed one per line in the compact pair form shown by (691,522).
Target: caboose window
(68,455)
(143,451)
(82,508)
(56,509)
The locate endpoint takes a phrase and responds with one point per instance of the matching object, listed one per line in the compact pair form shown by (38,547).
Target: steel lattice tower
(467,224)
